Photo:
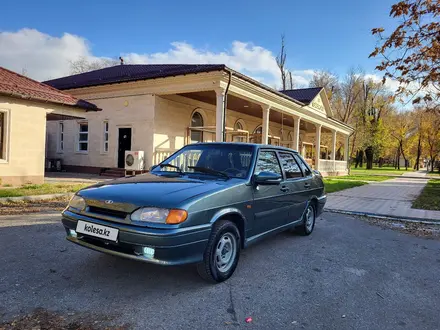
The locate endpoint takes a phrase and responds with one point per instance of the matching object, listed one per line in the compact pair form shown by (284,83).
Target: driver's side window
(267,162)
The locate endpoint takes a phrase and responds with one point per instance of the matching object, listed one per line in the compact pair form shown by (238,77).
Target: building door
(123,145)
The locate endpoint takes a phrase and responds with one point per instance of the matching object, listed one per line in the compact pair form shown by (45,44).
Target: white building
(160,108)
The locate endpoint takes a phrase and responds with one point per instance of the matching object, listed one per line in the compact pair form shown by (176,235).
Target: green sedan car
(201,205)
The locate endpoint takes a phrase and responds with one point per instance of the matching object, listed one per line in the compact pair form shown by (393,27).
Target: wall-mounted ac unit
(134,160)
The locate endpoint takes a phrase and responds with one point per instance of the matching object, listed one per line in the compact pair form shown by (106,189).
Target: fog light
(72,233)
(148,252)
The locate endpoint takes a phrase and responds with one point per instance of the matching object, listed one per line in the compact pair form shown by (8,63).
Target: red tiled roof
(15,85)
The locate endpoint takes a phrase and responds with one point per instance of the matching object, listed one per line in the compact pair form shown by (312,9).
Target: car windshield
(222,160)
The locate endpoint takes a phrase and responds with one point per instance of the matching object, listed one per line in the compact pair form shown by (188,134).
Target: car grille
(108,212)
(118,247)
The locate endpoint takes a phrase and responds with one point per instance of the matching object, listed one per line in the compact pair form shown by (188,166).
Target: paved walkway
(67,177)
(391,198)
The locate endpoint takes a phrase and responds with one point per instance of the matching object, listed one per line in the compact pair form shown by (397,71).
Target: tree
(411,53)
(418,116)
(365,105)
(374,105)
(286,75)
(327,80)
(350,93)
(83,64)
(431,124)
(291,84)
(401,129)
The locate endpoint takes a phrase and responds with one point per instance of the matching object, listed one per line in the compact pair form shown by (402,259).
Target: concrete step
(114,172)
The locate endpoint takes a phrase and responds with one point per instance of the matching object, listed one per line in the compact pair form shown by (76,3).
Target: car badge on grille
(109,201)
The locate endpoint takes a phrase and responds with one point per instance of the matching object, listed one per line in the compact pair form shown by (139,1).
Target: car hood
(128,194)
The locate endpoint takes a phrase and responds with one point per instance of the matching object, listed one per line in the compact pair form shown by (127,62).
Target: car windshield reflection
(223,161)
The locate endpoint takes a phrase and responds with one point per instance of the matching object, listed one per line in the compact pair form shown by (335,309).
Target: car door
(306,183)
(271,203)
(296,184)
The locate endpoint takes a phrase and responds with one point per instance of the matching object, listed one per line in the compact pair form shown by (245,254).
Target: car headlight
(157,215)
(77,203)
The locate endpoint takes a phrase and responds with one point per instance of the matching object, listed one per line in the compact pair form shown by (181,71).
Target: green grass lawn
(433,173)
(379,170)
(332,185)
(41,189)
(363,177)
(429,199)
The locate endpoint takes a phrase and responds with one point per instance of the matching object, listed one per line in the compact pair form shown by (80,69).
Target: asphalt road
(347,275)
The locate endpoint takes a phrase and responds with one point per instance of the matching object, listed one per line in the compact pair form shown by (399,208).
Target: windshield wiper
(172,166)
(209,171)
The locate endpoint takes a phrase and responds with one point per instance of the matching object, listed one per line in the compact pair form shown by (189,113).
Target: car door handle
(284,189)
(306,185)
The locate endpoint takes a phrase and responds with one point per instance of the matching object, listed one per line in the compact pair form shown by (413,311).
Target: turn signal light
(176,216)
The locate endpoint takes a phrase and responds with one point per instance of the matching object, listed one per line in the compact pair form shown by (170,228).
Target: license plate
(93,229)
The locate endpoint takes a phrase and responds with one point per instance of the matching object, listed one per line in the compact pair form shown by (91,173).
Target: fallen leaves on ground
(42,319)
(22,207)
(412,228)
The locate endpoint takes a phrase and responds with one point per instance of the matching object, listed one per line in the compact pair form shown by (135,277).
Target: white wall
(136,112)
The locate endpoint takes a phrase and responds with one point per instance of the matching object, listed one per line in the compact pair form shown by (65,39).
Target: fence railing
(340,165)
(161,154)
(332,166)
(326,165)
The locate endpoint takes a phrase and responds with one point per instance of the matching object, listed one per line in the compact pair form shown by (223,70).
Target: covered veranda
(257,114)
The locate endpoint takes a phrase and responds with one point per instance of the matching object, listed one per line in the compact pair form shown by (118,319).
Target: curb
(34,197)
(35,217)
(386,217)
(395,176)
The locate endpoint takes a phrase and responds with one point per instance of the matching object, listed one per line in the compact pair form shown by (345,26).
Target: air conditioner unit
(134,160)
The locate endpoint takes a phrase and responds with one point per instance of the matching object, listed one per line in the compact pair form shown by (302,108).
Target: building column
(265,126)
(296,122)
(346,147)
(333,158)
(219,115)
(317,146)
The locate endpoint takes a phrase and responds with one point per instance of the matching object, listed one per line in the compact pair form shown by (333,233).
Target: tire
(309,220)
(222,253)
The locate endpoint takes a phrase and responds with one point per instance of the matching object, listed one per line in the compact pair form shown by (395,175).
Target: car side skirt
(253,239)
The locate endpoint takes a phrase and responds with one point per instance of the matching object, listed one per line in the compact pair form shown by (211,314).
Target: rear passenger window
(304,167)
(290,166)
(267,162)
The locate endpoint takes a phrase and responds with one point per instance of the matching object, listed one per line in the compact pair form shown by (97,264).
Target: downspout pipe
(225,106)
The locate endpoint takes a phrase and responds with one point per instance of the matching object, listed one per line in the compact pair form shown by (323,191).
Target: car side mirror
(153,167)
(267,178)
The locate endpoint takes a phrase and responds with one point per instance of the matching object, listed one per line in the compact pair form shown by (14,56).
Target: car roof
(255,145)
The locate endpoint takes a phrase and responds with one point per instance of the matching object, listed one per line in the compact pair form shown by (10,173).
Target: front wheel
(222,252)
(308,223)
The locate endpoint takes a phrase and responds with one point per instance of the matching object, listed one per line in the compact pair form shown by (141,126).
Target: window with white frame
(83,137)
(105,137)
(60,136)
(3,134)
(196,121)
(238,127)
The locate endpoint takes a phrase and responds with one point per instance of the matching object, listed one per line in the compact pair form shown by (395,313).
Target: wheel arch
(237,217)
(314,201)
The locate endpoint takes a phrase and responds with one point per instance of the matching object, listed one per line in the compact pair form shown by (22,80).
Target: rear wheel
(222,252)
(308,223)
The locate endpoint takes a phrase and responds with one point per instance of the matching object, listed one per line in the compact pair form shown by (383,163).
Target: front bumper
(172,246)
(321,203)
